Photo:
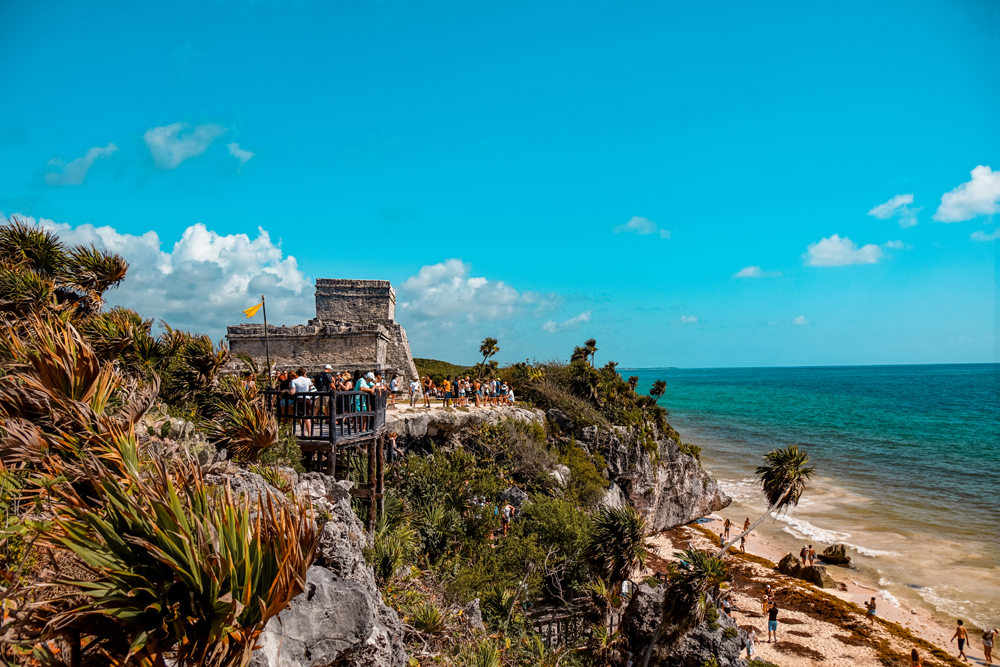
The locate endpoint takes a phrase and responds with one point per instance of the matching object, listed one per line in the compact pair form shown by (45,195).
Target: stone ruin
(354,329)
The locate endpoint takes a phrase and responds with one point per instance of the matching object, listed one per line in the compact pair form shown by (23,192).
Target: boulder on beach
(814,574)
(836,555)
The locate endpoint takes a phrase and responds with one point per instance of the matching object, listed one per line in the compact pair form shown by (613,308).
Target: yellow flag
(252,310)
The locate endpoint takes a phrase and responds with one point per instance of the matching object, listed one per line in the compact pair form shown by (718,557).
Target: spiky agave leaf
(245,429)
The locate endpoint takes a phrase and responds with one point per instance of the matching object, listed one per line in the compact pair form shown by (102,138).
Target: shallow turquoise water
(907,458)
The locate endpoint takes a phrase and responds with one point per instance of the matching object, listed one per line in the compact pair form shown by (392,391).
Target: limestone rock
(814,574)
(474,615)
(790,565)
(332,622)
(560,474)
(515,496)
(836,555)
(613,497)
(560,419)
(322,490)
(450,426)
(698,647)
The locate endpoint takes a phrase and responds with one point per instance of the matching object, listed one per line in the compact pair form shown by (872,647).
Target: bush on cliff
(586,483)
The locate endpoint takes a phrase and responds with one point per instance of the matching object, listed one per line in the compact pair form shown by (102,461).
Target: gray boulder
(836,555)
(332,622)
(560,474)
(814,574)
(474,615)
(515,496)
(696,648)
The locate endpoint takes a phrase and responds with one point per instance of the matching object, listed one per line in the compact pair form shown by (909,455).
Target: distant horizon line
(719,368)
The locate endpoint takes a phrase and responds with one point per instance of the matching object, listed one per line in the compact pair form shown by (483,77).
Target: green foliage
(759,662)
(730,633)
(563,532)
(428,618)
(711,662)
(712,616)
(483,654)
(518,450)
(284,453)
(586,483)
(784,476)
(689,449)
(439,370)
(618,543)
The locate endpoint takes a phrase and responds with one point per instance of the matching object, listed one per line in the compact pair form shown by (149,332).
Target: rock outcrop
(836,555)
(449,426)
(814,574)
(697,648)
(669,489)
(340,618)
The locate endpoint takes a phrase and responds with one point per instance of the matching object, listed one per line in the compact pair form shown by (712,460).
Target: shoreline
(918,621)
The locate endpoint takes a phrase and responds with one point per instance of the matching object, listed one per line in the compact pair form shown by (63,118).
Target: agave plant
(180,569)
(395,545)
(483,654)
(245,429)
(428,618)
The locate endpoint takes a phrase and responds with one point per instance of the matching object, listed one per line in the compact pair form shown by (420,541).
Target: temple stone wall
(353,330)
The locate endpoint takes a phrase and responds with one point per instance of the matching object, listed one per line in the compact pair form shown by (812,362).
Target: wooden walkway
(334,426)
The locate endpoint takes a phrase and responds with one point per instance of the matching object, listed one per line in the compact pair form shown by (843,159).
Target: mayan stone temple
(354,329)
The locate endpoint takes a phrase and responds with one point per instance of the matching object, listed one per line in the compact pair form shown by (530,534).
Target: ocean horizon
(906,460)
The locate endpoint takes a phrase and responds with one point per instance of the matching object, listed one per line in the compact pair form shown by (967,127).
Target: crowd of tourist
(459,392)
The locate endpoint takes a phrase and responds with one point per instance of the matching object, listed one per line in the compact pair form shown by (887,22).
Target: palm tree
(579,354)
(687,597)
(658,390)
(590,345)
(487,348)
(633,381)
(618,544)
(783,478)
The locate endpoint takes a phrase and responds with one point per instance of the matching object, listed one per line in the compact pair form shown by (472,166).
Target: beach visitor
(304,406)
(751,640)
(915,659)
(804,554)
(772,622)
(446,385)
(962,635)
(988,638)
(428,385)
(506,514)
(477,389)
(726,526)
(764,603)
(870,606)
(743,544)
(812,556)
(414,391)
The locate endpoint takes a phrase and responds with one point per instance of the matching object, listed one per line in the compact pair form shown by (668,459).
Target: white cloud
(204,281)
(572,323)
(755,272)
(643,227)
(837,251)
(980,196)
(74,172)
(895,245)
(898,205)
(801,320)
(240,154)
(689,319)
(172,144)
(981,236)
(446,294)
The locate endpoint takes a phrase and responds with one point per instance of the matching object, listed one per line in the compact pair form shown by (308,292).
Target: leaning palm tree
(691,590)
(487,348)
(783,478)
(633,381)
(590,345)
(658,390)
(618,544)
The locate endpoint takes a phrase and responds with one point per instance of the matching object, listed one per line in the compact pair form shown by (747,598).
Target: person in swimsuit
(962,635)
(915,659)
(727,525)
(870,606)
(988,638)
(743,544)
(804,554)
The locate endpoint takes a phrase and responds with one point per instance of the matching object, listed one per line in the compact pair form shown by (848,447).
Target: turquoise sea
(907,459)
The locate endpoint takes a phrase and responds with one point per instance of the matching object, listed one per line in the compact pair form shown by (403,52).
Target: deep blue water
(910,438)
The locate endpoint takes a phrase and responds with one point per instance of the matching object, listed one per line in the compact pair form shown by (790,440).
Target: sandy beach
(805,637)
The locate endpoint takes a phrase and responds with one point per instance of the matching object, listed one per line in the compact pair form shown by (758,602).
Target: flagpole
(267,352)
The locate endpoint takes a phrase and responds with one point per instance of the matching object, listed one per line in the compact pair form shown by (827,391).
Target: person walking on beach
(962,635)
(870,606)
(751,640)
(772,623)
(988,638)
(804,554)
(727,525)
(743,544)
(915,659)
(812,556)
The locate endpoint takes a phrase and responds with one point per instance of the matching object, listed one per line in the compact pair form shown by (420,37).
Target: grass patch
(439,370)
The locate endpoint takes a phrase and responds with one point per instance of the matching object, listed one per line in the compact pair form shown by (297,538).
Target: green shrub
(711,662)
(586,483)
(757,662)
(483,654)
(428,618)
(285,452)
(729,633)
(689,449)
(712,617)
(564,530)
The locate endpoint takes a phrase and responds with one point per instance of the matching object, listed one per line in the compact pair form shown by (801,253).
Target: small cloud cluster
(75,171)
(172,144)
(837,251)
(204,281)
(755,272)
(801,321)
(447,295)
(240,154)
(982,236)
(897,206)
(572,323)
(642,227)
(979,196)
(689,319)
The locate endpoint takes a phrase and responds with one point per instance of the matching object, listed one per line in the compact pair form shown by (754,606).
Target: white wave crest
(889,597)
(804,530)
(882,581)
(962,608)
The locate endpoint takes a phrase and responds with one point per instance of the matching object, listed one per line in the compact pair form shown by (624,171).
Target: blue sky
(692,184)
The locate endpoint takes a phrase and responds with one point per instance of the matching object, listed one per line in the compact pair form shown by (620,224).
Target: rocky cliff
(449,426)
(667,487)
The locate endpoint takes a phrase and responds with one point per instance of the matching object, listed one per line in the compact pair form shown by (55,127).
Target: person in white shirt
(304,406)
(414,391)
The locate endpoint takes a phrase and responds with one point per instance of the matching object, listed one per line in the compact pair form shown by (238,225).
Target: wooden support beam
(380,474)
